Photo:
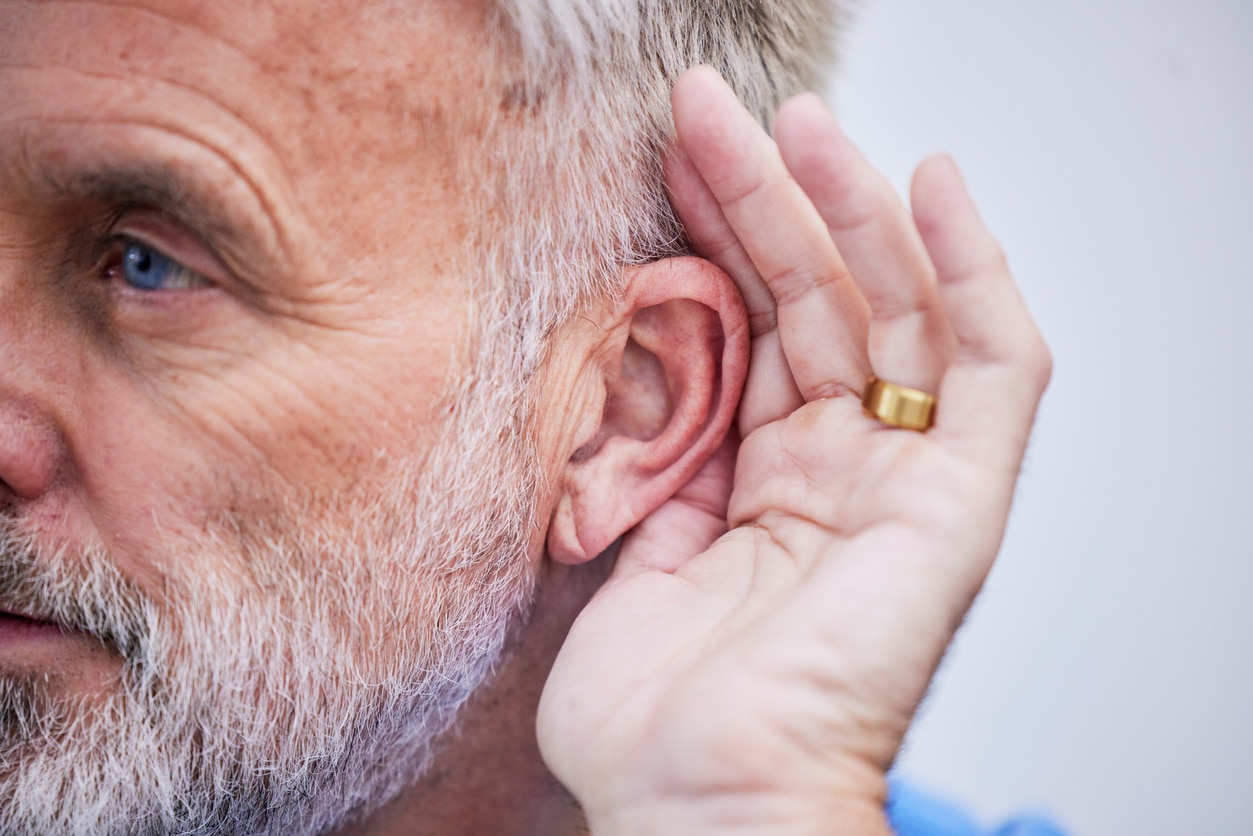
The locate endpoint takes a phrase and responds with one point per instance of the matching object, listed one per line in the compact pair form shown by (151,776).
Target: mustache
(78,589)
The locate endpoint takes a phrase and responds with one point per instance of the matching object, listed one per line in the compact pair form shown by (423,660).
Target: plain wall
(1105,673)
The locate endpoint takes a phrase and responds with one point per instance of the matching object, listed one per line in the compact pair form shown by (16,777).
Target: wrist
(733,815)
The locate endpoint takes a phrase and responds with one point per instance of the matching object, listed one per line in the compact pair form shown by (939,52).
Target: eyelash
(130,257)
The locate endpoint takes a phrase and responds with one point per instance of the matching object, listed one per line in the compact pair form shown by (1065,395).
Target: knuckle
(995,255)
(762,321)
(855,207)
(798,279)
(1033,357)
(737,188)
(1043,365)
(974,262)
(989,259)
(831,390)
(920,302)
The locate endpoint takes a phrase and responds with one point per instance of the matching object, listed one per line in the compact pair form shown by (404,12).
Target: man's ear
(669,370)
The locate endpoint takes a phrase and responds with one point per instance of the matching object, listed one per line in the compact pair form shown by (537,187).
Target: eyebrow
(194,205)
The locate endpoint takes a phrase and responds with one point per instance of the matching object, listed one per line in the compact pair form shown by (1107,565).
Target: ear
(670,367)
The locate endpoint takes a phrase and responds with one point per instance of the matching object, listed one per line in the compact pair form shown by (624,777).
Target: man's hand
(758,654)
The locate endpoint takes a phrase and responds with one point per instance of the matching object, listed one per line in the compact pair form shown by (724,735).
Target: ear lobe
(672,388)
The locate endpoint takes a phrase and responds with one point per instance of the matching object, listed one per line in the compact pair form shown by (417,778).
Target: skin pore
(219,400)
(225,403)
(176,430)
(275,494)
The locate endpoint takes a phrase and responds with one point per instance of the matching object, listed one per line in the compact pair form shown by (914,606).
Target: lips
(15,625)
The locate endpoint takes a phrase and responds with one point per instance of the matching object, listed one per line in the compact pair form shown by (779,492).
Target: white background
(1106,674)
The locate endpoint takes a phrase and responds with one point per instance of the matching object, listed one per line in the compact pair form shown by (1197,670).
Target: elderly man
(338,340)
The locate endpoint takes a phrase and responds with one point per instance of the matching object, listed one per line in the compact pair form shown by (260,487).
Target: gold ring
(899,406)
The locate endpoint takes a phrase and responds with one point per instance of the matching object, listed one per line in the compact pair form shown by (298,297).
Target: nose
(28,450)
(30,441)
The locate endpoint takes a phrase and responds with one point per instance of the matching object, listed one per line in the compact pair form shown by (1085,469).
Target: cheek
(161,466)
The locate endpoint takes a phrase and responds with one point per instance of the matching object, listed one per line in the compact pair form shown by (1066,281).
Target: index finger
(822,315)
(770,393)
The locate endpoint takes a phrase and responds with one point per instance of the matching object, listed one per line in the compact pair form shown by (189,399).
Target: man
(338,340)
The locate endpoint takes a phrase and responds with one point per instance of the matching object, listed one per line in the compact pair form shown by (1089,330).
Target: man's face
(229,307)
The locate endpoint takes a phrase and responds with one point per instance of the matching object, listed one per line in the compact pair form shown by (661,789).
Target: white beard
(287,698)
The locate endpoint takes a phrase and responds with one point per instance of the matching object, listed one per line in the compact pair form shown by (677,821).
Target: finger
(822,315)
(770,392)
(911,341)
(713,238)
(989,395)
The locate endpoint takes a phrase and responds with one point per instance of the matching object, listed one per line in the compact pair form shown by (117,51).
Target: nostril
(29,453)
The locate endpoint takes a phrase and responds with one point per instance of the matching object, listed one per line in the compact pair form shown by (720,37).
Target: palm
(769,632)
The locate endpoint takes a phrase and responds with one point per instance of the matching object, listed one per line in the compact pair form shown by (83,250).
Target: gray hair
(575,187)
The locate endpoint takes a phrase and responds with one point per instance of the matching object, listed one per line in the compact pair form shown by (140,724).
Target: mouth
(15,626)
(52,654)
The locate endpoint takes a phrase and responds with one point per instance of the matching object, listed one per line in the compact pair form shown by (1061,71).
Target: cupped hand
(756,658)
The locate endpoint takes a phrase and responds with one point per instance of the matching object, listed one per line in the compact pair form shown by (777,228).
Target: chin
(291,697)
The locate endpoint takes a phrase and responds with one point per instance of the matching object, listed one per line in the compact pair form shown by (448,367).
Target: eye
(146,268)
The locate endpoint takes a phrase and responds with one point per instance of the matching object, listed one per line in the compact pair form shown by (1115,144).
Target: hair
(570,188)
(570,182)
(304,681)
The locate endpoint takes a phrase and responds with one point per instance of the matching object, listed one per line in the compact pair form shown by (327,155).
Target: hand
(756,658)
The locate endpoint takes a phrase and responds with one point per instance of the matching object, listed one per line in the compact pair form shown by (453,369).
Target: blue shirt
(915,813)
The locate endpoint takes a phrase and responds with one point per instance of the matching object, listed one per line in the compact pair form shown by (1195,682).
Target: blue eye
(145,268)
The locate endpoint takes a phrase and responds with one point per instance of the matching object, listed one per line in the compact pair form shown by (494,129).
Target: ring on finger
(899,406)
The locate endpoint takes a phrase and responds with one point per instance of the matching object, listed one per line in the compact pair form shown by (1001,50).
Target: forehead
(336,53)
(310,92)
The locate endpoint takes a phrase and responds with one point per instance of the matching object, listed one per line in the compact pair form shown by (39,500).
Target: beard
(300,688)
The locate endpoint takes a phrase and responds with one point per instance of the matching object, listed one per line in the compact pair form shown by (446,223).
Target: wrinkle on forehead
(396,70)
(346,109)
(364,54)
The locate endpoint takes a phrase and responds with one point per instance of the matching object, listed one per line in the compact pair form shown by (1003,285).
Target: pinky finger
(990,392)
